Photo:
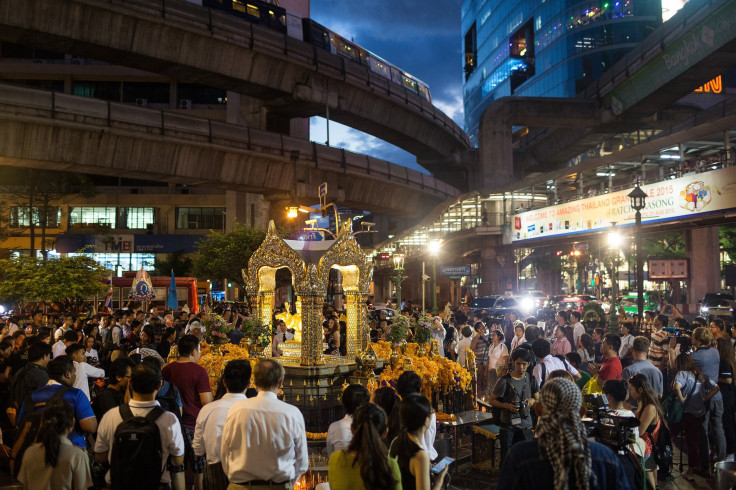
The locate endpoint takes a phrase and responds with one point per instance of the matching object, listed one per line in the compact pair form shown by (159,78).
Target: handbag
(674,408)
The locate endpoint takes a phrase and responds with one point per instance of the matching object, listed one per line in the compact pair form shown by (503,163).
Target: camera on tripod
(614,431)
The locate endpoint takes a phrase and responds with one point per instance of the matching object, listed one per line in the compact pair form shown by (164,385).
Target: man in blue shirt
(639,352)
(62,372)
(706,358)
(561,456)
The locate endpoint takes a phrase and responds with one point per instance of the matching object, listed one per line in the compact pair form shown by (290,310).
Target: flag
(107,306)
(172,301)
(142,289)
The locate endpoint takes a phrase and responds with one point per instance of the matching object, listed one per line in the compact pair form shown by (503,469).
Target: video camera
(682,337)
(614,431)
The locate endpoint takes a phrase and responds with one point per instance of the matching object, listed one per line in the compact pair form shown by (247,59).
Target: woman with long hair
(586,349)
(726,372)
(332,336)
(651,417)
(365,464)
(54,463)
(693,389)
(413,459)
(386,398)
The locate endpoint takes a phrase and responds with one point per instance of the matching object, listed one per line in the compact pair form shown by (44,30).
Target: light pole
(638,200)
(614,246)
(398,276)
(434,250)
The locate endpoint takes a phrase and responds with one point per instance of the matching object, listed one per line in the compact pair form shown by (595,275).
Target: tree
(225,255)
(66,282)
(36,190)
(727,236)
(177,261)
(666,245)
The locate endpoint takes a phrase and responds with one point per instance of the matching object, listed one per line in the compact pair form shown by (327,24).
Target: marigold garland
(316,436)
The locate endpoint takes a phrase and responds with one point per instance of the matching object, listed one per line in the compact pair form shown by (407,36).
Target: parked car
(572,303)
(509,304)
(484,302)
(631,306)
(718,305)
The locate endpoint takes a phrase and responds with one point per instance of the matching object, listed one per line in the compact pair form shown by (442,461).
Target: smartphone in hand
(437,469)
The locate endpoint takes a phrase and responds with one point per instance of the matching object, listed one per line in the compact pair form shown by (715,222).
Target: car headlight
(527,303)
(704,308)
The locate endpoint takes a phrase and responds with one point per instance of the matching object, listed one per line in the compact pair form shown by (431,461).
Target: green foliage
(226,254)
(666,245)
(399,328)
(593,312)
(177,261)
(727,237)
(66,282)
(423,330)
(258,333)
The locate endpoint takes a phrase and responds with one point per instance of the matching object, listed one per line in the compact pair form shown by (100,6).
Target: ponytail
(56,419)
(369,423)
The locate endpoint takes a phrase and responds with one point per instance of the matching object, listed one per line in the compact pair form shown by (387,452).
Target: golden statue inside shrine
(310,263)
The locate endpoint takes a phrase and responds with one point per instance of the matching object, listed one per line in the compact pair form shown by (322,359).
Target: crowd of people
(81,394)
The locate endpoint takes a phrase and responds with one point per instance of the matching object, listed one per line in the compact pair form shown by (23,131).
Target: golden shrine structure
(310,263)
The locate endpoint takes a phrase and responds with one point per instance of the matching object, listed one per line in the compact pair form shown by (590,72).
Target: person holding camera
(515,393)
(561,456)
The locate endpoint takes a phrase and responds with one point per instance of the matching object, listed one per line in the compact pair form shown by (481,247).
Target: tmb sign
(454,270)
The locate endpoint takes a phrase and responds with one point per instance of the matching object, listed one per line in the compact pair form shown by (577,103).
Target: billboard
(684,197)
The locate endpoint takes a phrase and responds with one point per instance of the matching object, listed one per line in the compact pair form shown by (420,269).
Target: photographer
(616,392)
(514,394)
(561,456)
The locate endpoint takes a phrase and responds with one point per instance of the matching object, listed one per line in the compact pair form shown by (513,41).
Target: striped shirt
(660,344)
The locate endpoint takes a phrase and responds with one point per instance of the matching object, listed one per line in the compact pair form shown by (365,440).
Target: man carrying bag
(514,394)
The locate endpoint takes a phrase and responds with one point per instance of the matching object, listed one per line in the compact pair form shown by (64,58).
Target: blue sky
(420,37)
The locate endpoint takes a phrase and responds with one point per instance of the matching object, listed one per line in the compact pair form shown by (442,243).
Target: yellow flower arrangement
(437,373)
(215,364)
(316,436)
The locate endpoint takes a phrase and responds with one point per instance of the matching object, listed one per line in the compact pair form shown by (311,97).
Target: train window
(348,50)
(409,83)
(252,10)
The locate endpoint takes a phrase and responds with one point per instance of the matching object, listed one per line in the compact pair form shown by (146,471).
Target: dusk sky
(420,37)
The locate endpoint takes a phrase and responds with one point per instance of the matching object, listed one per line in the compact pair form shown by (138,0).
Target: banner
(690,195)
(142,289)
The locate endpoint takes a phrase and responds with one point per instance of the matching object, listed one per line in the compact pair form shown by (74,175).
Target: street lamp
(398,276)
(638,200)
(434,249)
(615,241)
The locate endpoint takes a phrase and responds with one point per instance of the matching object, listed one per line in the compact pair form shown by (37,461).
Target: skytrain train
(279,19)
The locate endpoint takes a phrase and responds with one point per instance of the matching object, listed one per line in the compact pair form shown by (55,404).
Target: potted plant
(423,334)
(217,330)
(258,336)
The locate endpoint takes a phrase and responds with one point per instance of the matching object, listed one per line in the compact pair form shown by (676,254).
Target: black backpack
(28,428)
(136,445)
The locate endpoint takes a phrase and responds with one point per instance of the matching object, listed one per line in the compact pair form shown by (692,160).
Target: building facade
(548,48)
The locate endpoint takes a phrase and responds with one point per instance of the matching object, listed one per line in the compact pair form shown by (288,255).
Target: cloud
(345,137)
(422,38)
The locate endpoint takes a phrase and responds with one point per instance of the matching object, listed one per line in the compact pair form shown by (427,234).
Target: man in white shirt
(339,433)
(84,370)
(59,348)
(211,420)
(438,333)
(145,382)
(578,329)
(264,442)
(548,363)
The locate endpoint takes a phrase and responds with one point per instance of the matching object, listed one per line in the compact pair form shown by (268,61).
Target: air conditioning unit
(141,102)
(185,104)
(76,60)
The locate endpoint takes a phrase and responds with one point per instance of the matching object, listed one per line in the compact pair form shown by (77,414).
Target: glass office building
(544,48)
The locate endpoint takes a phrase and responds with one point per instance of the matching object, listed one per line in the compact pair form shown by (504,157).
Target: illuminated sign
(715,86)
(692,194)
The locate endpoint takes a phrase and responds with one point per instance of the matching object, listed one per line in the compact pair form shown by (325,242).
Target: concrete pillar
(703,252)
(245,208)
(497,269)
(496,153)
(232,113)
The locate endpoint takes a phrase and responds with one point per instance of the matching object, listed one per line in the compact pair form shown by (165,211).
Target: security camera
(425,277)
